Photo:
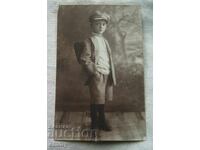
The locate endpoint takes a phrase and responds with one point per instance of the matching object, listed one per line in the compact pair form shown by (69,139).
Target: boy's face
(99,26)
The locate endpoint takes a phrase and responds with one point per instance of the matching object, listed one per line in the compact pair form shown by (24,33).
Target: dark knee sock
(103,124)
(101,110)
(93,115)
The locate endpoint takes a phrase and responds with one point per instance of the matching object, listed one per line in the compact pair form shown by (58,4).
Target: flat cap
(97,15)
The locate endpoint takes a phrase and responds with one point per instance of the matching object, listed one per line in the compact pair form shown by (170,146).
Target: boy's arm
(86,59)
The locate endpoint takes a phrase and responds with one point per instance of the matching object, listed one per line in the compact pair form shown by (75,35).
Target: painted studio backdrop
(125,36)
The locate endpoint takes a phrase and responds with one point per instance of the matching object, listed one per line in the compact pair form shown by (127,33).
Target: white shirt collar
(96,34)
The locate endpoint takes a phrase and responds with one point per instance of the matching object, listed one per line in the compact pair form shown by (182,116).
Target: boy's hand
(97,74)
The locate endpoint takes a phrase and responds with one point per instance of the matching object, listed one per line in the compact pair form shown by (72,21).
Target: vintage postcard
(100,73)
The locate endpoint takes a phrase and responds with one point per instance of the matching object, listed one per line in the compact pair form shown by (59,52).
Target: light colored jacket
(88,60)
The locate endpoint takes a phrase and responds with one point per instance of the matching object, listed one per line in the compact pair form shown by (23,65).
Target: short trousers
(101,89)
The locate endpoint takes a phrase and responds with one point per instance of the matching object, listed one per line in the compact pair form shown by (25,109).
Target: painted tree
(124,20)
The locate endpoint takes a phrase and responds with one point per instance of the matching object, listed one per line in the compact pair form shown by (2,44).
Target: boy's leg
(98,96)
(94,120)
(97,88)
(103,124)
(93,115)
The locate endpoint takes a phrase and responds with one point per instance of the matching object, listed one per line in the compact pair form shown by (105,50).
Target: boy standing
(97,61)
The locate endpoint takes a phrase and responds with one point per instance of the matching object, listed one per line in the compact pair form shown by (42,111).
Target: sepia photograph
(100,90)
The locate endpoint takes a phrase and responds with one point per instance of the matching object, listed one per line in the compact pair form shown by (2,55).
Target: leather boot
(103,124)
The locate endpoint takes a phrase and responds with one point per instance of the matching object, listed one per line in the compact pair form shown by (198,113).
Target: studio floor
(126,126)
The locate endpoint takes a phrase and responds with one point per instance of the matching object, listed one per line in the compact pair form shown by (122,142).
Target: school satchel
(78,47)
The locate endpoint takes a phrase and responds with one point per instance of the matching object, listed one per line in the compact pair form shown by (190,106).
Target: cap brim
(100,19)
